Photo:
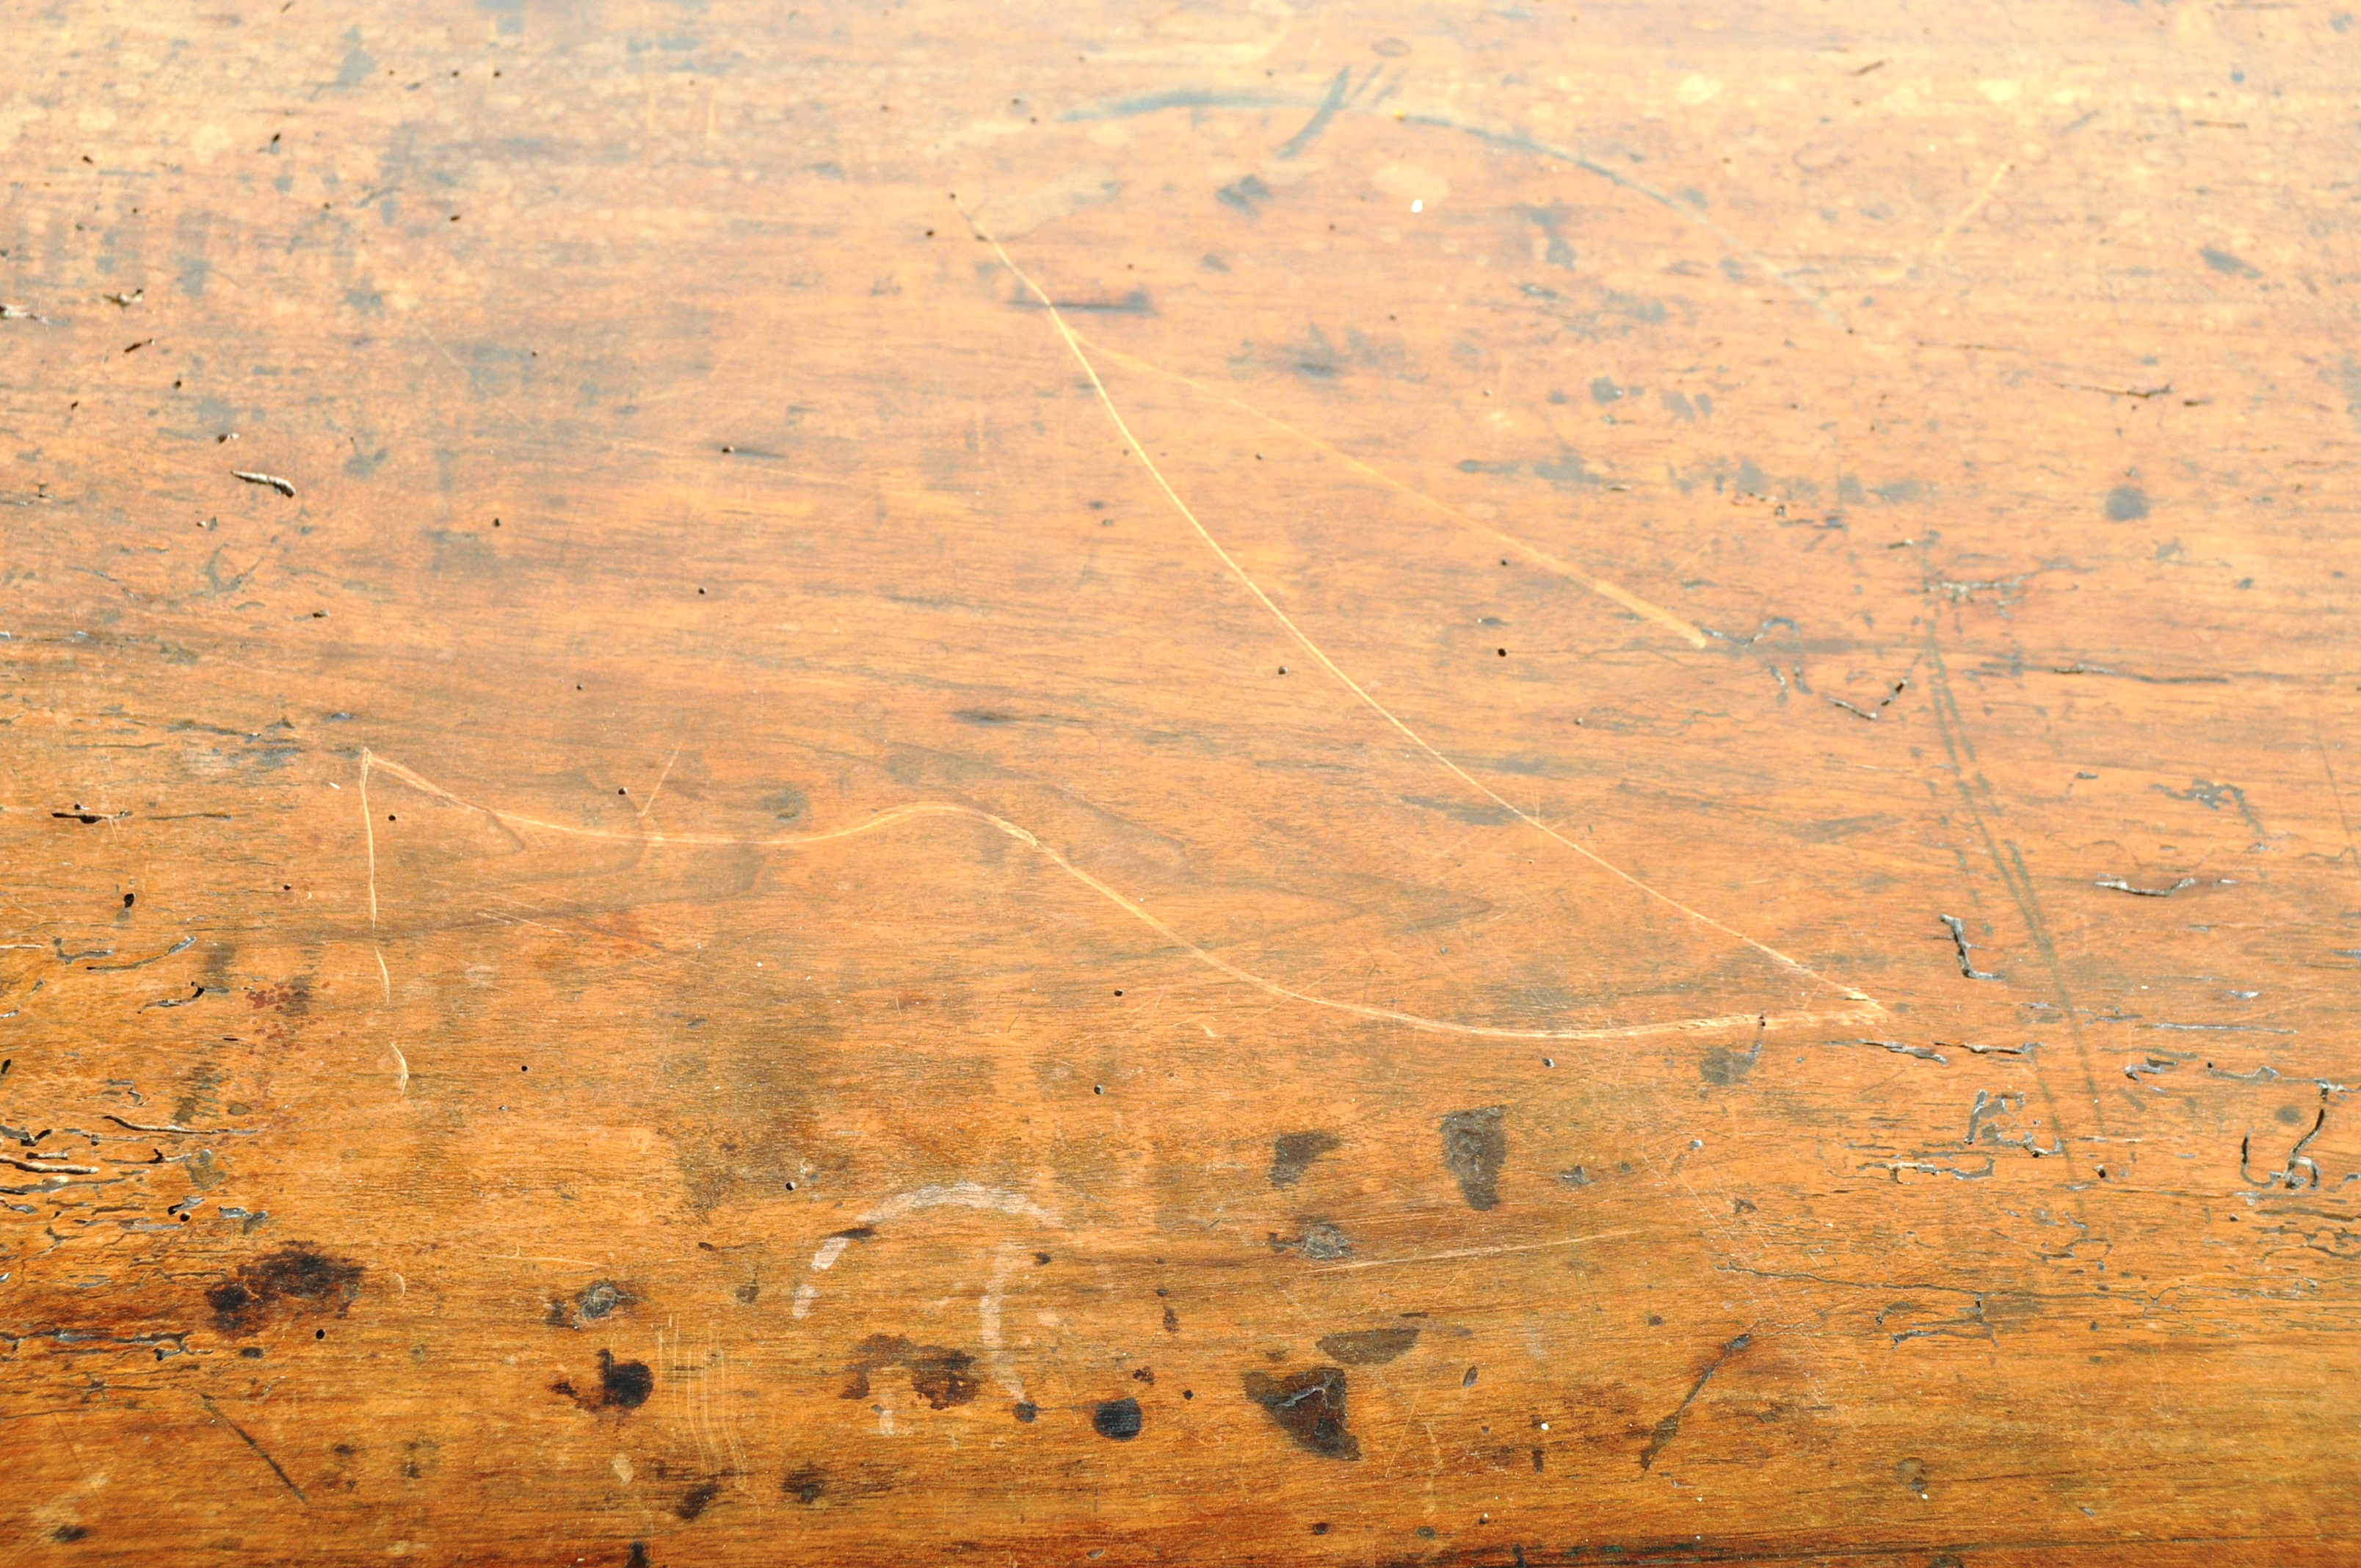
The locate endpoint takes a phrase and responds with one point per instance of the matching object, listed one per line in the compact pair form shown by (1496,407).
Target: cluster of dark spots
(1144,1375)
(599,1299)
(1292,1152)
(1474,1147)
(1025,1409)
(623,1385)
(697,1499)
(1368,1347)
(296,1276)
(1117,1419)
(69,1532)
(1309,1407)
(939,1374)
(805,1485)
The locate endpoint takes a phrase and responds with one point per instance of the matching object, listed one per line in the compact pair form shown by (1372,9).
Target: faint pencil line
(371,762)
(1303,640)
(1599,586)
(260,1453)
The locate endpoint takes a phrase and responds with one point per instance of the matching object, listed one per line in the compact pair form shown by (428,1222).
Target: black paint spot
(696,1499)
(1171,1321)
(69,1532)
(1292,1152)
(1310,1407)
(1117,1419)
(638,1557)
(805,1485)
(939,1374)
(1475,1146)
(295,1275)
(1025,1409)
(626,1384)
(2126,503)
(1368,1347)
(623,1385)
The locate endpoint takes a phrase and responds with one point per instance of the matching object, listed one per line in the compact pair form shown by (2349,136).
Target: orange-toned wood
(1225,784)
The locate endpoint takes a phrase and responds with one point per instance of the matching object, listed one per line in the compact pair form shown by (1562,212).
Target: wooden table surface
(1216,784)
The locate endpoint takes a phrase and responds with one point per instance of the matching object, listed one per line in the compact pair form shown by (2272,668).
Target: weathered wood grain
(1239,783)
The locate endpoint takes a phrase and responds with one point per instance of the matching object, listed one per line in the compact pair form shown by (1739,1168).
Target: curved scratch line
(371,760)
(1132,444)
(1600,586)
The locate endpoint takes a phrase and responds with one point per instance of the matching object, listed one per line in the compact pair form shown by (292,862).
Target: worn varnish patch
(297,1279)
(1309,1407)
(940,1375)
(1474,1147)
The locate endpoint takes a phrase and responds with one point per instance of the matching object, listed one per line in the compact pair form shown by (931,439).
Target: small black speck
(1504,652)
(129,899)
(252,1353)
(1025,1409)
(1117,1419)
(1042,1258)
(319,1334)
(1098,1088)
(1654,1321)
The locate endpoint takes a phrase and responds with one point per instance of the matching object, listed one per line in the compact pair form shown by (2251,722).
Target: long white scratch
(401,1071)
(916,809)
(1303,640)
(384,978)
(1600,586)
(369,833)
(650,804)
